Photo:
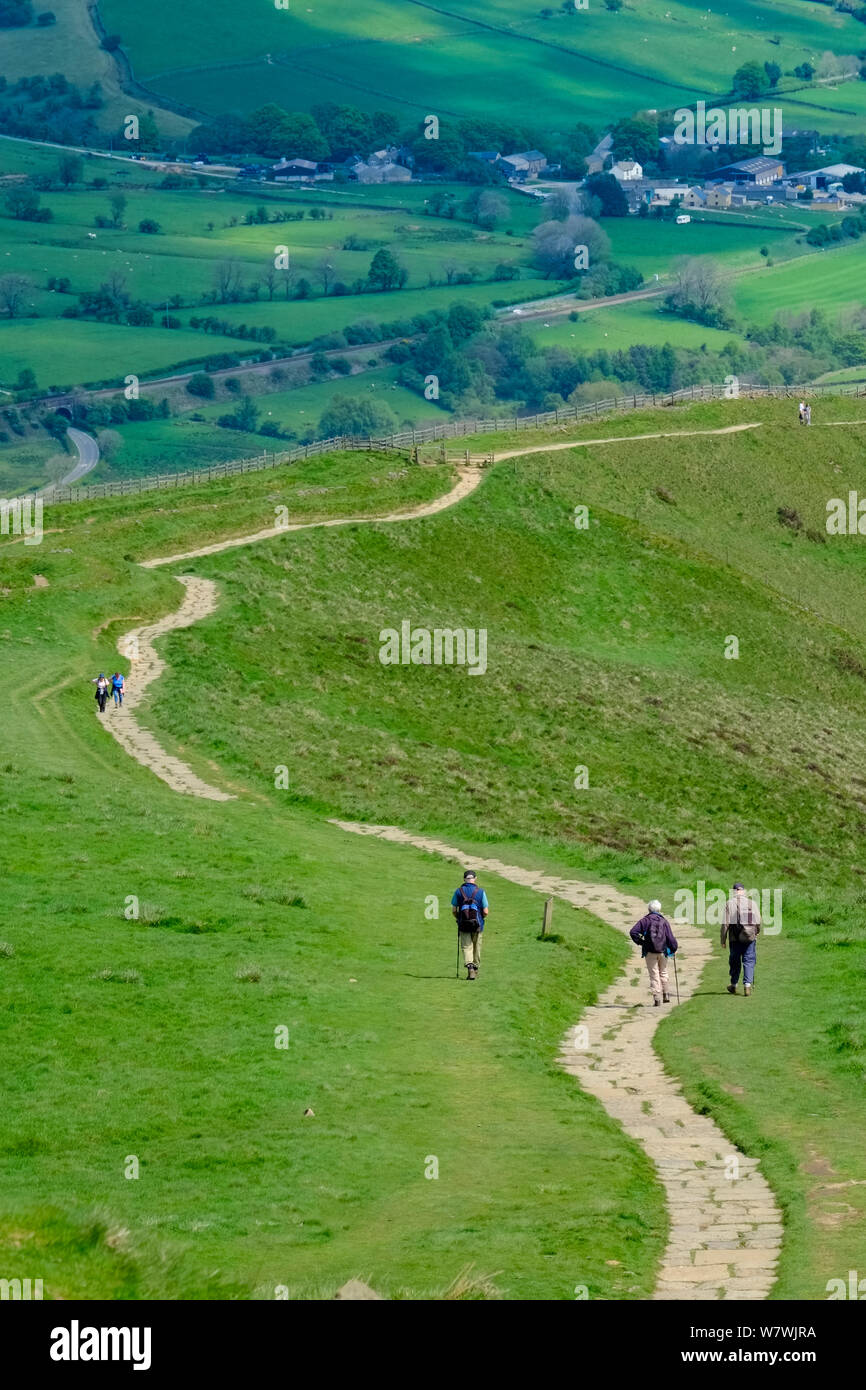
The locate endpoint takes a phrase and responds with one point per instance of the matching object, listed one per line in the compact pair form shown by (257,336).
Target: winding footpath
(725,1227)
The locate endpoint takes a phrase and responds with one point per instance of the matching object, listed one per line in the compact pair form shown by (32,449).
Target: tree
(750,81)
(117,203)
(636,138)
(805,71)
(490,207)
(386,272)
(148,226)
(228,281)
(22,202)
(200,384)
(111,43)
(109,442)
(559,205)
(26,380)
(555,245)
(326,273)
(274,132)
(70,168)
(356,415)
(774,72)
(14,290)
(611,197)
(699,292)
(244,417)
(46,19)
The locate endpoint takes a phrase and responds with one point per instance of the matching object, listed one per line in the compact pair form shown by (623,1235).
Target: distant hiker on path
(802,412)
(117,688)
(740,928)
(469,906)
(808,415)
(101,691)
(654,936)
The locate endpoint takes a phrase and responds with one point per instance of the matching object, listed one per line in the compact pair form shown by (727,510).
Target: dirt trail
(467,482)
(725,1233)
(617,439)
(200,600)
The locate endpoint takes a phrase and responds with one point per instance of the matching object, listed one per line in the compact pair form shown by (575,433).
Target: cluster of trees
(112,303)
(24,203)
(700,293)
(331,133)
(50,108)
(211,324)
(828,233)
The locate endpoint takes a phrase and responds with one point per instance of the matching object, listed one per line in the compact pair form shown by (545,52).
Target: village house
(375,172)
(624,170)
(526,165)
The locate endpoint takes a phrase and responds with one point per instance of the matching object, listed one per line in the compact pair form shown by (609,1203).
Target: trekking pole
(457,971)
(676,977)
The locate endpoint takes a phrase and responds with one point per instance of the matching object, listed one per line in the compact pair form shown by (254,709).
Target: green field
(832,280)
(591,65)
(171,446)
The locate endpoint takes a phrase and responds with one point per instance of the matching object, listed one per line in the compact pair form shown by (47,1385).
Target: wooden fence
(405,440)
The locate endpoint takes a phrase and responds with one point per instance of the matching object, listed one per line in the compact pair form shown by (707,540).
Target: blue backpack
(469,914)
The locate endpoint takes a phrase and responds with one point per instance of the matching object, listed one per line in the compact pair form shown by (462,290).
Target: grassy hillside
(156,1039)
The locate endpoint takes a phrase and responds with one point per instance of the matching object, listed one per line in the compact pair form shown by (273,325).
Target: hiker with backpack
(657,942)
(740,928)
(101,692)
(469,907)
(117,685)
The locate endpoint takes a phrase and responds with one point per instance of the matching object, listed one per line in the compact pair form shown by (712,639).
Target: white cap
(655,905)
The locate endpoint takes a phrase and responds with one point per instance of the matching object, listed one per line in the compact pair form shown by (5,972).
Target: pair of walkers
(805,413)
(105,686)
(740,928)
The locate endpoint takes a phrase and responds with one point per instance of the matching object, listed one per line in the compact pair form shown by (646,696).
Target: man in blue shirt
(469,906)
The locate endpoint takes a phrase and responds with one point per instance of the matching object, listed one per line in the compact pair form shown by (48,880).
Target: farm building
(760,171)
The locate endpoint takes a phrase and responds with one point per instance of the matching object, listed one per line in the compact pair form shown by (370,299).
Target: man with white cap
(654,936)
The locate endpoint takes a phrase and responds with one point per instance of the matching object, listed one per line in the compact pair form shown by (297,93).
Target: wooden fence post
(548,916)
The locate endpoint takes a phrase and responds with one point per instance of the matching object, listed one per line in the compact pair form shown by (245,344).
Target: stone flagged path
(725,1235)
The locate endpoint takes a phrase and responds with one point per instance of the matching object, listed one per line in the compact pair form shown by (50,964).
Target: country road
(88,457)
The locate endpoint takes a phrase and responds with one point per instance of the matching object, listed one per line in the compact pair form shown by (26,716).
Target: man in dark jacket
(654,936)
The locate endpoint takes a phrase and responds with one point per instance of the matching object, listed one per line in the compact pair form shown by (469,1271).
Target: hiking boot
(666,998)
(732,989)
(471,972)
(747,989)
(656,1002)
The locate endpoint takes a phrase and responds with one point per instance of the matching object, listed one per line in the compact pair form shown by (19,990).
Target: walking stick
(676,977)
(457,971)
